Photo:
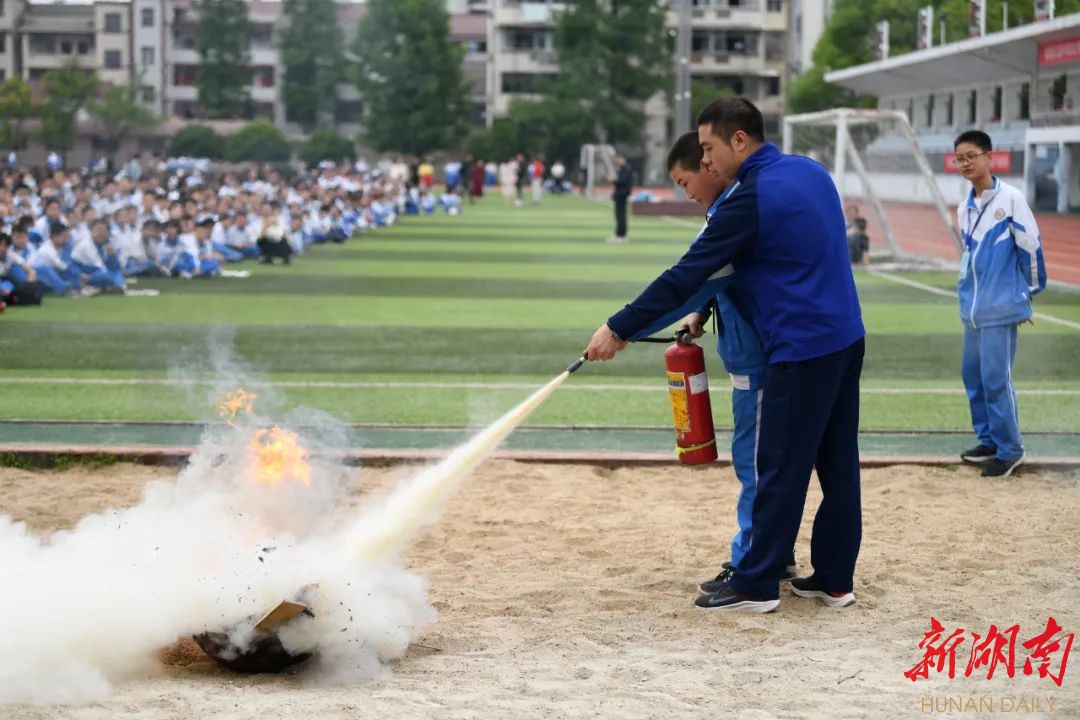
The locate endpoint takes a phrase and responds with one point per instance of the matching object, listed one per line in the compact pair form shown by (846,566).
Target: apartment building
(38,37)
(738,46)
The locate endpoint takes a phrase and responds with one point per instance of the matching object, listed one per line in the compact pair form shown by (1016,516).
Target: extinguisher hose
(681,335)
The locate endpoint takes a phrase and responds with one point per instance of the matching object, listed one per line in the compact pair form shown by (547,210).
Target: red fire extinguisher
(695,438)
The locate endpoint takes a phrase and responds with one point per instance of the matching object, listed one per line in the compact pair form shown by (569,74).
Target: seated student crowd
(79,235)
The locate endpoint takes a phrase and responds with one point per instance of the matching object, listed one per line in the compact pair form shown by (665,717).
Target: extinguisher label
(698,384)
(679,410)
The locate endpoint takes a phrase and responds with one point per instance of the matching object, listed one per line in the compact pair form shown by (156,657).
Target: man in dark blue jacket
(782,227)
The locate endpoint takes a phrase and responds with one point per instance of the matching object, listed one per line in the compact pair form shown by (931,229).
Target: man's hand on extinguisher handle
(694,323)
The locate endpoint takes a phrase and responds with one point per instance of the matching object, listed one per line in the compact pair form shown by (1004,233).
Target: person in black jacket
(624,180)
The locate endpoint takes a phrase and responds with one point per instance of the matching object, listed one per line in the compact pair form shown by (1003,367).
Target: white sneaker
(186,275)
(89,291)
(148,292)
(235,273)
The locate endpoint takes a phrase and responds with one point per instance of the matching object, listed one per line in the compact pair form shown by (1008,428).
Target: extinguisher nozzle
(572,367)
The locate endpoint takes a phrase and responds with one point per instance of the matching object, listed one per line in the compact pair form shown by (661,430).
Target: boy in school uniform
(54,269)
(1001,270)
(175,256)
(96,258)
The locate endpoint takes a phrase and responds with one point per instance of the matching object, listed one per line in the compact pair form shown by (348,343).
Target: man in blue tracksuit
(738,346)
(782,228)
(1001,269)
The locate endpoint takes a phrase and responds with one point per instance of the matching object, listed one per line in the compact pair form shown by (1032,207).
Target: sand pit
(565,591)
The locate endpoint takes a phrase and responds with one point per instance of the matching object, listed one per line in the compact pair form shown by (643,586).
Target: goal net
(884,177)
(598,168)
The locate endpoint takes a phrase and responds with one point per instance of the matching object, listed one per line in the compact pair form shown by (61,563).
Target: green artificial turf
(467,313)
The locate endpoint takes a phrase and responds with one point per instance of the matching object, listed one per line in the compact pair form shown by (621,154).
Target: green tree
(327,145)
(613,55)
(259,141)
(198,141)
(224,42)
(67,91)
(409,73)
(703,92)
(17,105)
(311,50)
(120,113)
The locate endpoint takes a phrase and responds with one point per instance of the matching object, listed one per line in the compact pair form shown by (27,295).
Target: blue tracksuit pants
(809,418)
(53,280)
(987,372)
(744,409)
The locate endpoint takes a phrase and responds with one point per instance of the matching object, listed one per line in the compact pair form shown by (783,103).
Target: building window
(65,47)
(930,111)
(911,111)
(112,59)
(476,46)
(1025,101)
(148,93)
(995,105)
(1058,90)
(147,17)
(2,8)
(699,42)
(82,47)
(527,39)
(3,42)
(147,55)
(518,82)
(972,104)
(772,86)
(775,5)
(112,23)
(949,110)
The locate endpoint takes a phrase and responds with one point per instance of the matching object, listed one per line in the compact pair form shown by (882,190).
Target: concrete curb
(169,455)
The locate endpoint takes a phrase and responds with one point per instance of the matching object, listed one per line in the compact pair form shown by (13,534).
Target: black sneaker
(810,587)
(979,454)
(728,600)
(710,586)
(1001,468)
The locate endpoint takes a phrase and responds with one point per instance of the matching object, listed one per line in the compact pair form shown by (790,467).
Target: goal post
(598,165)
(874,157)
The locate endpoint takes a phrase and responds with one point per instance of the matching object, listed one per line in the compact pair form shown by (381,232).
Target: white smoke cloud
(86,608)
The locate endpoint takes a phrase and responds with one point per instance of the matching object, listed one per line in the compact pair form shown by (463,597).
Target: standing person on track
(782,229)
(623,184)
(1002,268)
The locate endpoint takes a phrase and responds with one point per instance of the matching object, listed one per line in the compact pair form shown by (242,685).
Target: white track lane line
(463,385)
(952,296)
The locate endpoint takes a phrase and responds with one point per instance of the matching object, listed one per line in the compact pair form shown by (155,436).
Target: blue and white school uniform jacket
(1002,266)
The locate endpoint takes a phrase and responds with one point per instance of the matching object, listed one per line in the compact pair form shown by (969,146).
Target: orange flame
(235,402)
(279,458)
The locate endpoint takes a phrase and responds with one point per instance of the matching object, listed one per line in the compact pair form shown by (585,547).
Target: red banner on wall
(1060,51)
(1000,162)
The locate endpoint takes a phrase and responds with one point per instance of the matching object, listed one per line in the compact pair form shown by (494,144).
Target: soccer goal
(598,167)
(883,175)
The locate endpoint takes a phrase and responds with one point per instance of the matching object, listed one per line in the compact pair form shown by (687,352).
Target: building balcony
(186,93)
(264,94)
(179,56)
(526,13)
(264,56)
(721,62)
(58,61)
(527,61)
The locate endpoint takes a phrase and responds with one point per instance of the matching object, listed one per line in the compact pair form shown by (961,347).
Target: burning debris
(260,650)
(236,403)
(279,458)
